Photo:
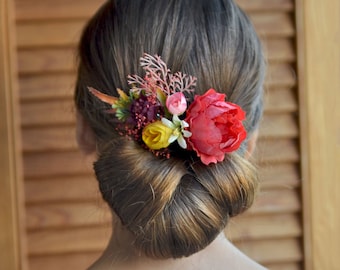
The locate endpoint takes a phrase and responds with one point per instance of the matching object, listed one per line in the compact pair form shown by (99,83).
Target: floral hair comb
(156,113)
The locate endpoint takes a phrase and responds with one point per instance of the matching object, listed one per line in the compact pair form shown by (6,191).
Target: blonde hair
(174,207)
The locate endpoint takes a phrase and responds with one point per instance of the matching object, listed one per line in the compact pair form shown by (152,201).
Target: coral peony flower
(156,135)
(176,103)
(216,126)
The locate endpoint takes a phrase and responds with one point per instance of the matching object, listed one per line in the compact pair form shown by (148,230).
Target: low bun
(173,209)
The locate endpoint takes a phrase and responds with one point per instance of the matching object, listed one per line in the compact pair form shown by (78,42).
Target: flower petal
(168,123)
(186,133)
(172,138)
(182,143)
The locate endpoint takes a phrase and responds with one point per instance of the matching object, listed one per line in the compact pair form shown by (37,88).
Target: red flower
(216,126)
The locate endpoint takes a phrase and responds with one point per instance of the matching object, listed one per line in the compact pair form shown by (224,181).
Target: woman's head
(174,207)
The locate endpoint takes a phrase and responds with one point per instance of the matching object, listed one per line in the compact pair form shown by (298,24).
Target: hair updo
(174,207)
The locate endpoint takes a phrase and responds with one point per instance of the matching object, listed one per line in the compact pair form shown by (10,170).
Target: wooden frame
(318,25)
(12,231)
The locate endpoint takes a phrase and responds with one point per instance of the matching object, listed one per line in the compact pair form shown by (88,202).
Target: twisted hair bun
(173,208)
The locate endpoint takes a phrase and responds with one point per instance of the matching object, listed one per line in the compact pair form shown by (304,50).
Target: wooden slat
(61,9)
(279,126)
(63,215)
(75,215)
(263,227)
(46,60)
(273,250)
(266,5)
(284,266)
(74,261)
(276,151)
(34,113)
(64,9)
(281,100)
(280,175)
(280,75)
(49,242)
(276,201)
(67,32)
(52,138)
(62,138)
(279,50)
(73,163)
(273,24)
(47,113)
(46,87)
(93,239)
(49,34)
(61,112)
(52,190)
(84,9)
(56,164)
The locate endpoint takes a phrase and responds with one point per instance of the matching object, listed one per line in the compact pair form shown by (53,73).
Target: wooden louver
(67,224)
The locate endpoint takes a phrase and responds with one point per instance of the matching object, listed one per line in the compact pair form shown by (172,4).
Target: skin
(121,254)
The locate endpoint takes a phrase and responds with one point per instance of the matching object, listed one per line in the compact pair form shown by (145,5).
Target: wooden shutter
(271,232)
(67,223)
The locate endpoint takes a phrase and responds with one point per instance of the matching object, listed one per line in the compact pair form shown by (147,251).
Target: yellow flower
(156,135)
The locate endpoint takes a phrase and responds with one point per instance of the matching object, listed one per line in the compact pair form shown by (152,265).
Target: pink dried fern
(159,76)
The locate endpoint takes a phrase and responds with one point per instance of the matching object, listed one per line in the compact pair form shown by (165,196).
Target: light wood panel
(319,68)
(12,237)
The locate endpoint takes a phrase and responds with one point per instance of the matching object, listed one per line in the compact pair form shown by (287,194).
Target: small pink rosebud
(176,103)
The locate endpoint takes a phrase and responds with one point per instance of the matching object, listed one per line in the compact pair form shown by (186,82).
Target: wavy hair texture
(174,207)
